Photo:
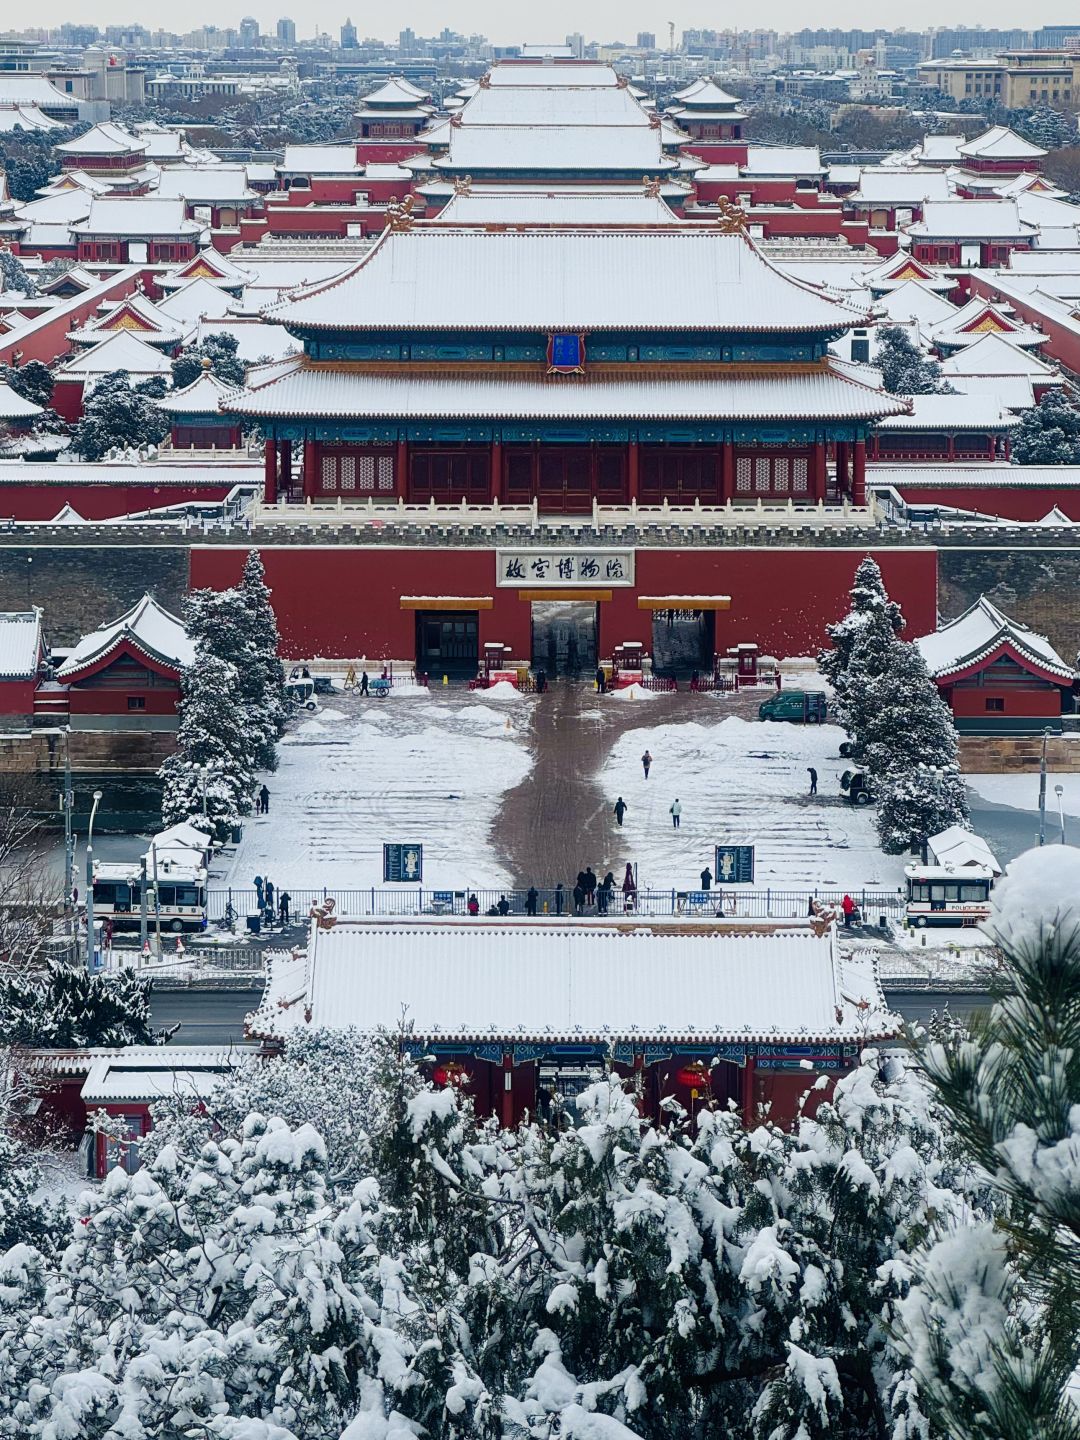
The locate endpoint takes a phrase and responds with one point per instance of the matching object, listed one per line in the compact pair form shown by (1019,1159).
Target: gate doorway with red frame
(448,643)
(683,642)
(564,637)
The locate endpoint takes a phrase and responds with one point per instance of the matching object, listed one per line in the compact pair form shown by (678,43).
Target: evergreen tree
(860,644)
(1048,433)
(220,624)
(213,755)
(904,369)
(117,416)
(1047,128)
(33,381)
(220,350)
(63,1006)
(993,1323)
(265,640)
(14,276)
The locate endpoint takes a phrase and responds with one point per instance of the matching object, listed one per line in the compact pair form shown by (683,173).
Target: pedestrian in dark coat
(270,894)
(541,681)
(259,890)
(590,886)
(579,899)
(813,779)
(629,888)
(583,882)
(646,763)
(706,879)
(620,809)
(264,800)
(601,680)
(503,906)
(530,900)
(474,906)
(560,898)
(284,901)
(364,683)
(603,895)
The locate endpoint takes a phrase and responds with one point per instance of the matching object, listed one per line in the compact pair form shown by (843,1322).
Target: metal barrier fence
(409,901)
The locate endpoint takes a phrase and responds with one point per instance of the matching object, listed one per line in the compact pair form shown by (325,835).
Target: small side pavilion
(523,1012)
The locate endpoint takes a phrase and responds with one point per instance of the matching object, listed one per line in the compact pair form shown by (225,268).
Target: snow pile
(633,692)
(1040,892)
(502,690)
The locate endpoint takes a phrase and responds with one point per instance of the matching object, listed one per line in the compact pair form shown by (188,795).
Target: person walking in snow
(706,879)
(601,680)
(364,683)
(813,779)
(629,888)
(270,895)
(590,886)
(620,810)
(284,901)
(579,898)
(259,891)
(603,895)
(848,907)
(264,800)
(676,813)
(530,900)
(646,763)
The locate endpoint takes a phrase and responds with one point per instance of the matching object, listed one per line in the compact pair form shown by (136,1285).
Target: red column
(311,468)
(746,1095)
(632,471)
(952,447)
(401,469)
(842,466)
(285,467)
(727,472)
(992,453)
(496,470)
(270,473)
(877,446)
(639,1080)
(858,474)
(508,1089)
(819,471)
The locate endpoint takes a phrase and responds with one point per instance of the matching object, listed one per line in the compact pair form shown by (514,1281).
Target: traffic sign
(403,864)
(734,865)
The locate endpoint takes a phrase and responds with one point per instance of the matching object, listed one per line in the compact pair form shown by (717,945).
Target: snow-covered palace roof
(486,982)
(677,278)
(983,632)
(147,627)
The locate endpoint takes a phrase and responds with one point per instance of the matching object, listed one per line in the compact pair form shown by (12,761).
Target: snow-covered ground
(742,782)
(1022,791)
(410,769)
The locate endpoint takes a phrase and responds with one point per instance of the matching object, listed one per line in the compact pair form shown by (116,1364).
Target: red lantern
(694,1076)
(449,1073)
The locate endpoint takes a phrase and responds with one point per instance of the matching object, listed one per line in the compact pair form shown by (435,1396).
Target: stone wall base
(1008,754)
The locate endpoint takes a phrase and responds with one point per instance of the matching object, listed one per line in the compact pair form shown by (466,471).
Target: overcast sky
(510,23)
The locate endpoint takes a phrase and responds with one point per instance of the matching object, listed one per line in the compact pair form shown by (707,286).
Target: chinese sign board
(734,864)
(564,568)
(403,864)
(566,354)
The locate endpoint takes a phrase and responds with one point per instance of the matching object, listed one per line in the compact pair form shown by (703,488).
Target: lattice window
(742,474)
(799,475)
(762,474)
(386,474)
(348,472)
(781,475)
(329,472)
(365,473)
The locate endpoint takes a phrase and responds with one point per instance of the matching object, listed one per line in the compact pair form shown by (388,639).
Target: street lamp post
(1059,791)
(90,883)
(1042,788)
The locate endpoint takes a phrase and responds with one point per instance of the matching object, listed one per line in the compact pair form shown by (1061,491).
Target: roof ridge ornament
(399,215)
(621,82)
(485,80)
(463,185)
(730,219)
(652,186)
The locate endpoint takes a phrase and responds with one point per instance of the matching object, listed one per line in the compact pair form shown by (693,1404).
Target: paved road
(216,1017)
(208,1017)
(1009,832)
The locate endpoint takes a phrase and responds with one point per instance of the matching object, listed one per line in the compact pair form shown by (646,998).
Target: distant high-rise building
(249,33)
(576,42)
(406,41)
(286,31)
(348,36)
(646,40)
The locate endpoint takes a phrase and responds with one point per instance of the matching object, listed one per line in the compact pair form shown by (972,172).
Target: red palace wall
(1064,344)
(23,500)
(45,339)
(346,602)
(971,702)
(1011,503)
(17,697)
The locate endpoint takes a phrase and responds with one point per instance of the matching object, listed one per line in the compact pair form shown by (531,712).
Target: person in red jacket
(848,907)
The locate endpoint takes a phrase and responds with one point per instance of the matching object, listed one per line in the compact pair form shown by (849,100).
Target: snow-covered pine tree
(14,276)
(1043,126)
(911,750)
(220,350)
(63,1006)
(263,631)
(33,381)
(220,623)
(1048,433)
(905,370)
(860,643)
(117,416)
(993,1322)
(213,754)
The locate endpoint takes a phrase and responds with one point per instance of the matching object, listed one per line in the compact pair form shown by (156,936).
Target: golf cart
(300,688)
(855,786)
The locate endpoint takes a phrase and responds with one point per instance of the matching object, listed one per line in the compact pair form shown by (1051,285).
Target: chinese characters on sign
(566,354)
(563,568)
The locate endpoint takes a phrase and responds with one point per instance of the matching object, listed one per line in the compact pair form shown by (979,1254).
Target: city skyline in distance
(602,21)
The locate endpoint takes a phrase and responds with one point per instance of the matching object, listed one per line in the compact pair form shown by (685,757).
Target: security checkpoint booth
(523,1012)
